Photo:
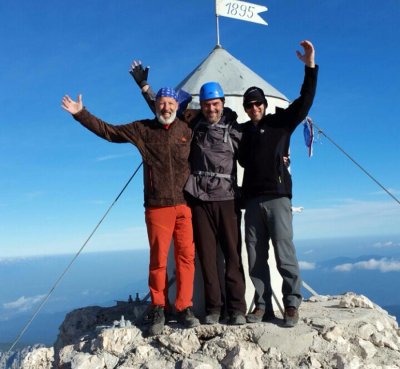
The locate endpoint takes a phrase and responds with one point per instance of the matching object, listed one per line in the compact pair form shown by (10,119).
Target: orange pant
(163,224)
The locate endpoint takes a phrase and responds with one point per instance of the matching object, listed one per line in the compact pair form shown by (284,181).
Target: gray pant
(266,219)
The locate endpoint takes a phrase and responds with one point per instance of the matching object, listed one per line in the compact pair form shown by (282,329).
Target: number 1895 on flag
(240,10)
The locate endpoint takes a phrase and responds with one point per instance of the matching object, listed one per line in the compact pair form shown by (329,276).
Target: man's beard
(166,121)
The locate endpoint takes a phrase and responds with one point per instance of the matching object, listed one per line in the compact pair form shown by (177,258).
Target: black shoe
(157,320)
(237,318)
(258,315)
(212,318)
(187,318)
(269,316)
(291,317)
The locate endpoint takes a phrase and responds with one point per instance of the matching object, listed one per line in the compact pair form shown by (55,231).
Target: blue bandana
(167,92)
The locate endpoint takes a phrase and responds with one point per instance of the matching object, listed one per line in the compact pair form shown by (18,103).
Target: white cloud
(23,303)
(348,218)
(384,265)
(386,244)
(16,259)
(306,265)
(343,267)
(113,157)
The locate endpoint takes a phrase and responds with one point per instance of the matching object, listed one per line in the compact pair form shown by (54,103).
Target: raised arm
(140,76)
(72,106)
(139,73)
(297,111)
(113,133)
(308,57)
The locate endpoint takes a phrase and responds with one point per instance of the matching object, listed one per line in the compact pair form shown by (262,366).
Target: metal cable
(369,175)
(117,198)
(43,302)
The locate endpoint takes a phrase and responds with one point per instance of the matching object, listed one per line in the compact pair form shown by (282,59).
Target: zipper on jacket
(171,171)
(279,169)
(151,180)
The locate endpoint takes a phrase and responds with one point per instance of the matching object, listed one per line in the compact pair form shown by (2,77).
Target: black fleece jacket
(263,145)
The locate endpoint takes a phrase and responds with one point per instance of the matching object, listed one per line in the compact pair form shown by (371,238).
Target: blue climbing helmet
(211,90)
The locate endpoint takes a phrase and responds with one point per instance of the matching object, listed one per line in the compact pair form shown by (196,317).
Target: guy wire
(70,264)
(369,175)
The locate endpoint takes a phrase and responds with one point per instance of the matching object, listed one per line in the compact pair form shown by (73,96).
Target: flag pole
(217,23)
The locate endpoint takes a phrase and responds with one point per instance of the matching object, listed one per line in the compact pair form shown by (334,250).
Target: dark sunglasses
(250,104)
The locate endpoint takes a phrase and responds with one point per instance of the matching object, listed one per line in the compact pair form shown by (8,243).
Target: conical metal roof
(234,77)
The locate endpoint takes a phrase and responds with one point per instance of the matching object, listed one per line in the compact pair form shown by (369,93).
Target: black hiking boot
(212,318)
(157,320)
(187,318)
(237,318)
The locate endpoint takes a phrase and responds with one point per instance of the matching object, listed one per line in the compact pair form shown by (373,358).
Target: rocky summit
(345,332)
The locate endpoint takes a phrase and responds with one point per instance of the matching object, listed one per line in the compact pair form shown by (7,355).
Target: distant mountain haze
(331,267)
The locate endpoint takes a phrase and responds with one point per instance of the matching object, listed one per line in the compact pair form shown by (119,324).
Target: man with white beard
(213,196)
(164,143)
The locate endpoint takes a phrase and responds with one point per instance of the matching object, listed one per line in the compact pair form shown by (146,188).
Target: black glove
(139,74)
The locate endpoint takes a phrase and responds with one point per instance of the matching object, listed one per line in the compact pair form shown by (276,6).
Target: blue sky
(57,179)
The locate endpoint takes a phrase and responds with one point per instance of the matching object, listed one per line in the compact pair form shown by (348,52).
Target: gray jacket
(213,157)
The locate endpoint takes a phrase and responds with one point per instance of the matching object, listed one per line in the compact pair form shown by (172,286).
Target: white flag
(240,10)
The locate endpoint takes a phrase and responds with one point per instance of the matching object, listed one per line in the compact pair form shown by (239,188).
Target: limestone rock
(244,356)
(84,360)
(351,300)
(41,358)
(182,342)
(191,364)
(368,349)
(346,331)
(117,340)
(27,357)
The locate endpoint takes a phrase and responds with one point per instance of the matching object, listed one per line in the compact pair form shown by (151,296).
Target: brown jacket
(165,154)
